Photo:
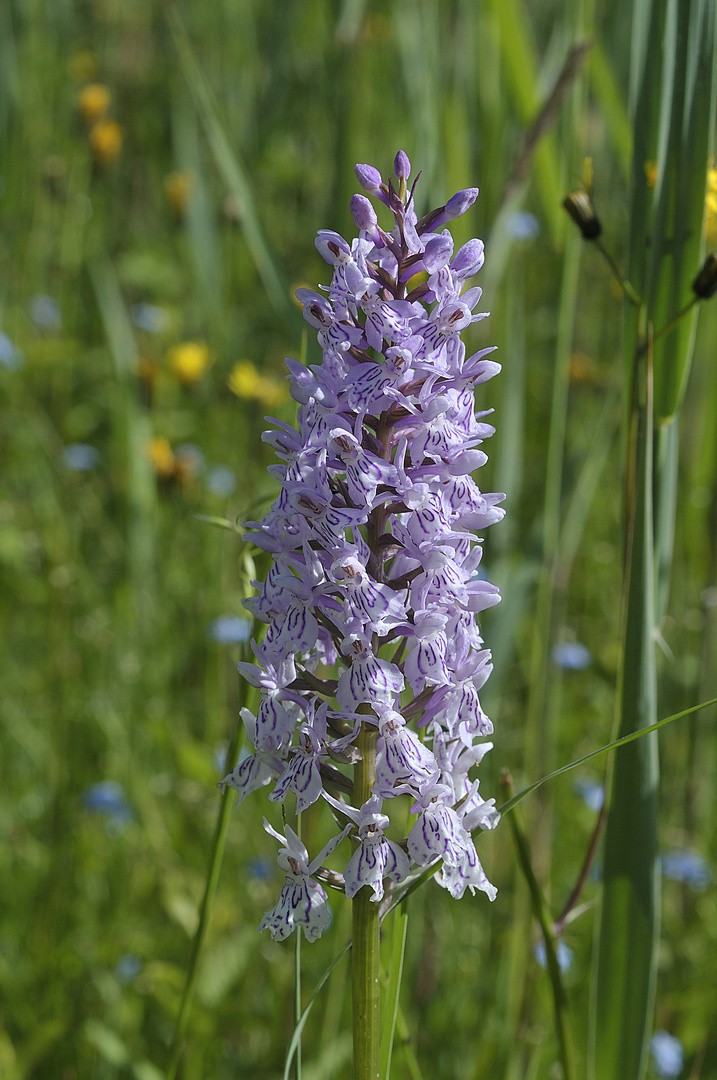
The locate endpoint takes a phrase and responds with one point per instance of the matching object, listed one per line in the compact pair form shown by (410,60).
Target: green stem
(563,1028)
(668,326)
(365,967)
(215,863)
(590,854)
(297,977)
(627,288)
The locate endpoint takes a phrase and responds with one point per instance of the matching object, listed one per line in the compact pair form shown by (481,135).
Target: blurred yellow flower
(160,454)
(188,361)
(177,188)
(94,101)
(651,173)
(246,382)
(243,379)
(106,141)
(711,207)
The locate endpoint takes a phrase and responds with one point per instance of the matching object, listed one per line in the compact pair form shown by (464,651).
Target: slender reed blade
(522,69)
(201,228)
(541,912)
(395,974)
(210,887)
(625,972)
(418,35)
(609,95)
(667,449)
(231,170)
(134,434)
(292,1048)
(686,128)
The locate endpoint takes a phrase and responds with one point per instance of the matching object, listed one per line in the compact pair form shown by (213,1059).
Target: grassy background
(110,582)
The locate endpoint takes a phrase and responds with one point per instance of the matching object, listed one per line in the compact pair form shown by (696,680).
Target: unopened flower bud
(401,166)
(371,181)
(460,202)
(579,205)
(456,205)
(363,213)
(705,284)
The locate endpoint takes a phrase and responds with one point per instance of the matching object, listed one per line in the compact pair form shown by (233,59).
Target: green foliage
(238,124)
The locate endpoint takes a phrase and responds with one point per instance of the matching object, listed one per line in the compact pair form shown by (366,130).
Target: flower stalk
(372,659)
(365,953)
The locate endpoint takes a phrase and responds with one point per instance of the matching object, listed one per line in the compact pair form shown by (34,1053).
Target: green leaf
(626,960)
(624,740)
(686,131)
(293,1046)
(390,1001)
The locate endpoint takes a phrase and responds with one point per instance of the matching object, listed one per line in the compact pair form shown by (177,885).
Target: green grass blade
(417,33)
(616,744)
(626,958)
(413,1069)
(610,97)
(667,450)
(200,222)
(391,999)
(134,430)
(293,1046)
(232,171)
(522,70)
(216,856)
(686,132)
(647,32)
(541,912)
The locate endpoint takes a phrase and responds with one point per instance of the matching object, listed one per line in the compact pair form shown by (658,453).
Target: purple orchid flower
(371,603)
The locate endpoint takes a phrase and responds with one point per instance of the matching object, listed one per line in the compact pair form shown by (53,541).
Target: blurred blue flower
(128,968)
(149,317)
(108,798)
(688,867)
(563,953)
(523,226)
(261,868)
(10,356)
(592,793)
(45,312)
(572,656)
(667,1055)
(230,629)
(221,481)
(80,457)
